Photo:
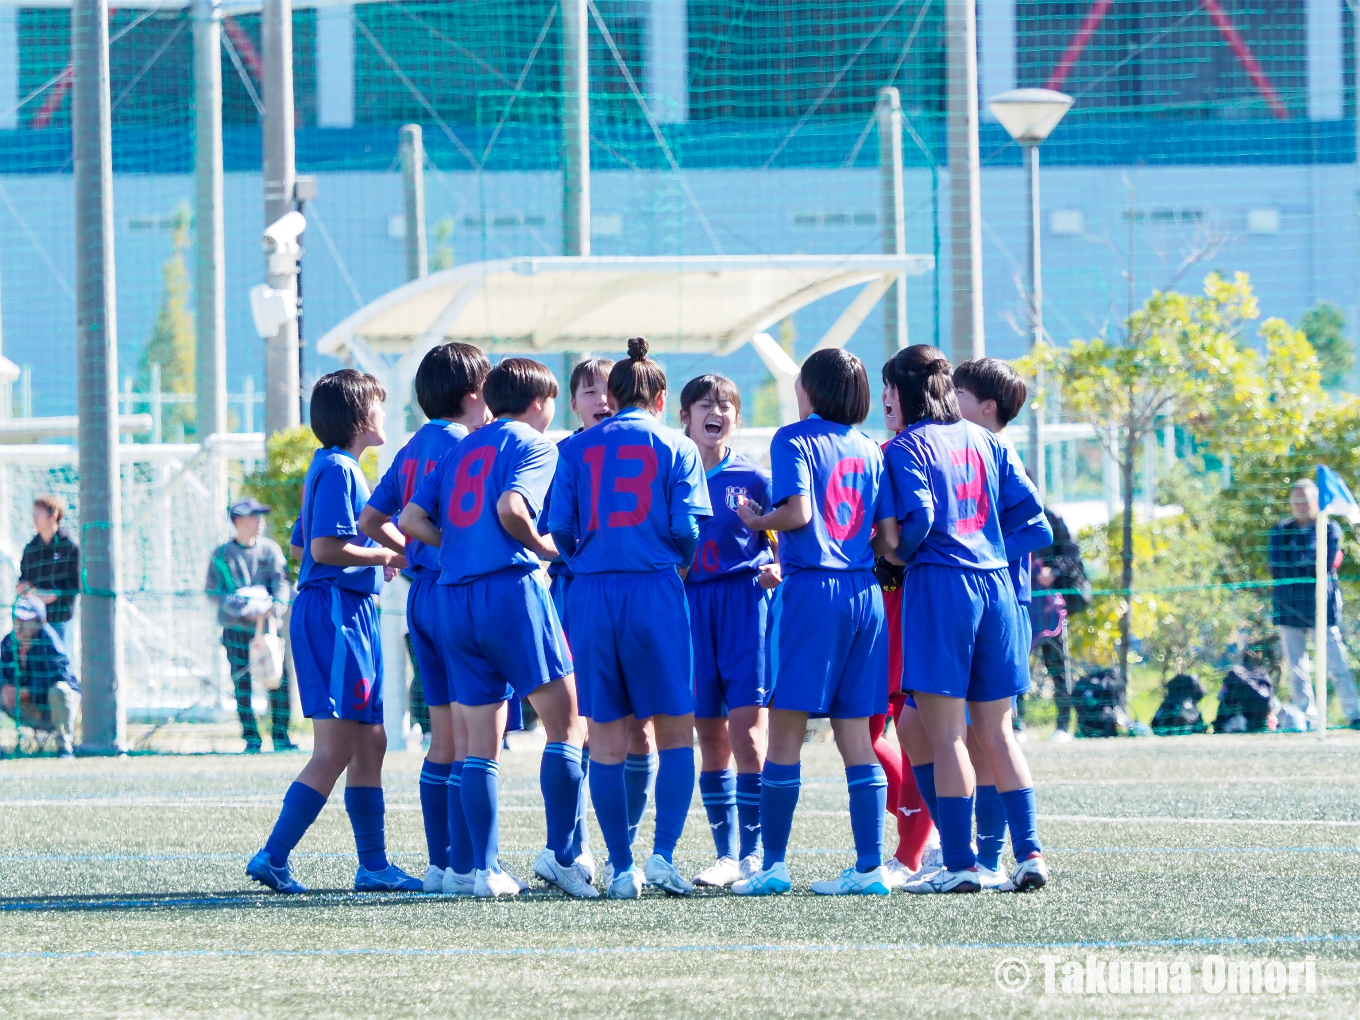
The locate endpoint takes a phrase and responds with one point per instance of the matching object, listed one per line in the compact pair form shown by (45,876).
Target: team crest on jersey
(734,494)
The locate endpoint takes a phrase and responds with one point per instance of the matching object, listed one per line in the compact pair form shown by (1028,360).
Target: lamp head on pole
(1029,115)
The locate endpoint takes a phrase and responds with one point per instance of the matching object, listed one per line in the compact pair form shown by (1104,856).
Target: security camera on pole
(1029,116)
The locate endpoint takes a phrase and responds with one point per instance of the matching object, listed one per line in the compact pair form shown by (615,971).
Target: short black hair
(925,391)
(516,383)
(590,368)
(836,385)
(717,386)
(638,381)
(448,374)
(993,379)
(342,405)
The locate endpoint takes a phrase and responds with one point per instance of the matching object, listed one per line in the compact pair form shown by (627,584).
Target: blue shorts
(727,624)
(632,645)
(501,638)
(963,635)
(828,644)
(337,654)
(558,585)
(422,623)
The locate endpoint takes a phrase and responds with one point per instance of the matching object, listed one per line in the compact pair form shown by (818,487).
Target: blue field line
(1189,943)
(801,851)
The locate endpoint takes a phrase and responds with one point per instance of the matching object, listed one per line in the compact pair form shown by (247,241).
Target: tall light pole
(1029,116)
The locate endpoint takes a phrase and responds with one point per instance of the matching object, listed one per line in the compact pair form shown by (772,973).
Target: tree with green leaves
(172,341)
(1325,327)
(1177,358)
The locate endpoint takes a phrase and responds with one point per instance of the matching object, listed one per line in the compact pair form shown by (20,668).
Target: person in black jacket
(37,684)
(1292,555)
(50,566)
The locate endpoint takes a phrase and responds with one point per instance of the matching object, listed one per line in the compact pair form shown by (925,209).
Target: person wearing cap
(37,684)
(247,578)
(49,568)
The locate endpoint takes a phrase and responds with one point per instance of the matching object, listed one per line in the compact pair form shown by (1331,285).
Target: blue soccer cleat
(263,870)
(773,881)
(854,883)
(390,879)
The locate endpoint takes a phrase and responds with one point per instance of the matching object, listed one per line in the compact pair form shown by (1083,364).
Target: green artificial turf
(124,895)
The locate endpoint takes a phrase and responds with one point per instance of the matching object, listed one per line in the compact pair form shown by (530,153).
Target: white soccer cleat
(854,883)
(666,877)
(750,865)
(585,864)
(943,880)
(773,881)
(895,874)
(566,877)
(990,879)
(720,874)
(495,883)
(1027,876)
(434,879)
(626,885)
(458,883)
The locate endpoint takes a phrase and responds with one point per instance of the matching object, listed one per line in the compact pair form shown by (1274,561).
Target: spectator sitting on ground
(1292,556)
(50,566)
(36,675)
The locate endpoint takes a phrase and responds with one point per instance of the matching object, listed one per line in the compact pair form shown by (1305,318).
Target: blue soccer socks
(640,779)
(1024,823)
(460,839)
(480,805)
(718,789)
(580,837)
(608,792)
(779,786)
(434,809)
(991,827)
(925,782)
(748,812)
(559,777)
(955,821)
(674,791)
(364,805)
(868,805)
(301,805)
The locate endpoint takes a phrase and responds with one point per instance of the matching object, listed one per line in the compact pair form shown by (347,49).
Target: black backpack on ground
(1099,699)
(1248,693)
(1179,711)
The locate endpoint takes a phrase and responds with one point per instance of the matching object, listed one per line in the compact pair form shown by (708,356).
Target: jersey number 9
(974,489)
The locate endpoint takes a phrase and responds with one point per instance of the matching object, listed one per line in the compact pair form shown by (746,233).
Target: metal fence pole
(894,214)
(575,129)
(965,194)
(413,189)
(104,727)
(282,385)
(210,276)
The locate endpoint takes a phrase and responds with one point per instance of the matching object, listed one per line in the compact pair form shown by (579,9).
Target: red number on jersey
(594,459)
(838,495)
(638,486)
(710,557)
(975,489)
(409,477)
(470,480)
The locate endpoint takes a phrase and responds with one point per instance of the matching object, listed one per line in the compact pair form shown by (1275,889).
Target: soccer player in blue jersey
(448,386)
(828,651)
(962,500)
(337,650)
(728,590)
(501,634)
(626,505)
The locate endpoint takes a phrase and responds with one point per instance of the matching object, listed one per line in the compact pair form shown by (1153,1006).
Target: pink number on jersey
(710,557)
(639,486)
(839,495)
(974,489)
(409,479)
(594,459)
(465,482)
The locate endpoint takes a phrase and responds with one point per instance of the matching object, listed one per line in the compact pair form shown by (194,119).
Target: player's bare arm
(416,523)
(339,551)
(794,513)
(516,519)
(379,527)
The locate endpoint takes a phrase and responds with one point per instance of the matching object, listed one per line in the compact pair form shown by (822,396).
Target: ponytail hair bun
(639,381)
(637,348)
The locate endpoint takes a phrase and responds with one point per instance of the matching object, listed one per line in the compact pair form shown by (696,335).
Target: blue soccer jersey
(334,493)
(626,489)
(461,493)
(840,470)
(417,459)
(971,487)
(727,547)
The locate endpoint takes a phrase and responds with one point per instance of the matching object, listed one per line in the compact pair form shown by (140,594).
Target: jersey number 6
(639,485)
(838,495)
